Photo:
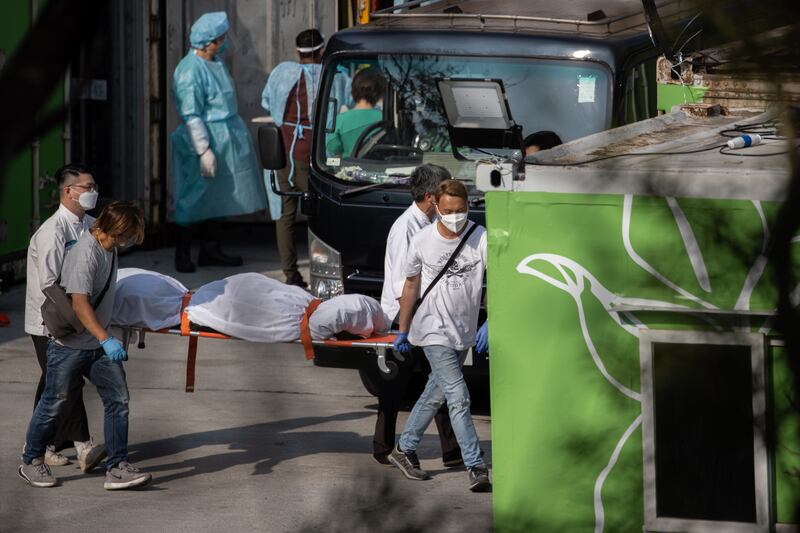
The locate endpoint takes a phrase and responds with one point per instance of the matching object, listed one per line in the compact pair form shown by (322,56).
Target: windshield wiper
(372,186)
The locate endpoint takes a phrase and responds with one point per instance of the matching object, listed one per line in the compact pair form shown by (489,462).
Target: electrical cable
(736,154)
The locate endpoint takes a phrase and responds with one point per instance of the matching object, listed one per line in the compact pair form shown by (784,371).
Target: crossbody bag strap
(108,283)
(449,261)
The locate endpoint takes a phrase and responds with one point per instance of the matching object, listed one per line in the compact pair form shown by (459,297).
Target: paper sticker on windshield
(333,161)
(586,89)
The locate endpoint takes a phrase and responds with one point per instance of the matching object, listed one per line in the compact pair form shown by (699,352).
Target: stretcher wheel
(369,372)
(394,370)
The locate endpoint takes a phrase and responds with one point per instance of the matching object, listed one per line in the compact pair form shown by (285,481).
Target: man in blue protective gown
(289,96)
(215,170)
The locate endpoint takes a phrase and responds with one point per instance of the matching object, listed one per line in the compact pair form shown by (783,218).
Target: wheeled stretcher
(194,332)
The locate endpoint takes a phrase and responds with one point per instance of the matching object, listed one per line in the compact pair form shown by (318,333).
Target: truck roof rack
(470,15)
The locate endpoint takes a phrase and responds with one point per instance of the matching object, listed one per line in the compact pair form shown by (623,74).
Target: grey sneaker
(479,479)
(37,474)
(54,458)
(408,463)
(89,454)
(125,476)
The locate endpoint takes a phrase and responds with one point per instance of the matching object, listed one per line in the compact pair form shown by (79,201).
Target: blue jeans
(66,368)
(445,382)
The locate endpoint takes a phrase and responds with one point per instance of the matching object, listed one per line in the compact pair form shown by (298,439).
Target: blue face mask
(223,47)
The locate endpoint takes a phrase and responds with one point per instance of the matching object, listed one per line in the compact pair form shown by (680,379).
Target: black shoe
(183,250)
(382,459)
(212,255)
(184,264)
(297,281)
(453,460)
(408,463)
(479,479)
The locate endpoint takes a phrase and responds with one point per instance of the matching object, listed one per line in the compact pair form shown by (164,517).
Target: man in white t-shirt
(424,182)
(444,326)
(46,252)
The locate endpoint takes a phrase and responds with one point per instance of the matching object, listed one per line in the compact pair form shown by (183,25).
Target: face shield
(310,49)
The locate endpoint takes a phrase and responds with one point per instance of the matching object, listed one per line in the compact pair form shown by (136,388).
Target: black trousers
(72,425)
(390,398)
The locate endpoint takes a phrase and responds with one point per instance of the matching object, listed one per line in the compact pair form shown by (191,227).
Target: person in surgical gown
(215,170)
(289,96)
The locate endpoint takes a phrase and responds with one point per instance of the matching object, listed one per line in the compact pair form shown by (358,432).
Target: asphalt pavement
(268,442)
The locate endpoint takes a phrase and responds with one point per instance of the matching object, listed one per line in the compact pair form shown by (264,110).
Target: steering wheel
(367,134)
(369,139)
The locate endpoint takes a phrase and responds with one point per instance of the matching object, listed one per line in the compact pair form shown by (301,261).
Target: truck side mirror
(270,147)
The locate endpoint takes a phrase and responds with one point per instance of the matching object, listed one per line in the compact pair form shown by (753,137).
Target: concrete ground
(268,442)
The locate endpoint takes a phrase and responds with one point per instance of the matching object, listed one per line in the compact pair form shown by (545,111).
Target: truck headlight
(326,268)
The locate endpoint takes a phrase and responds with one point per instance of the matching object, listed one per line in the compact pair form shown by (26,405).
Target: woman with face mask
(215,170)
(46,253)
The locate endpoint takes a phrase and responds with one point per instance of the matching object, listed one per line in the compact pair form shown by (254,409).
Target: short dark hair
(68,172)
(121,219)
(426,179)
(544,139)
(368,84)
(452,188)
(309,39)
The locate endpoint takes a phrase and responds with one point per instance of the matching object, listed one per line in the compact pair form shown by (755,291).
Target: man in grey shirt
(46,252)
(89,278)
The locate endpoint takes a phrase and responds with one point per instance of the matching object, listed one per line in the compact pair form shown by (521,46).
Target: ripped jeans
(445,382)
(66,368)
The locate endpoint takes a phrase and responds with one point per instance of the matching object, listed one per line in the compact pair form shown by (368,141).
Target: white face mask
(88,200)
(455,222)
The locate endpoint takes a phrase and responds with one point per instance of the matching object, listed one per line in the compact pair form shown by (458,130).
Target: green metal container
(634,371)
(18,217)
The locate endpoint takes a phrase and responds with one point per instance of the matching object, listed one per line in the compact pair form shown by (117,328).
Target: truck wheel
(368,380)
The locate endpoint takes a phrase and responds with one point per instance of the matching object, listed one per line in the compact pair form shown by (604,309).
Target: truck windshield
(383,115)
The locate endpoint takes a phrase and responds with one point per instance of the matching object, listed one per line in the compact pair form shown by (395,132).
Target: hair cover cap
(207,28)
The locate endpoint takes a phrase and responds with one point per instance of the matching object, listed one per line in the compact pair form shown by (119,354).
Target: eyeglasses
(93,187)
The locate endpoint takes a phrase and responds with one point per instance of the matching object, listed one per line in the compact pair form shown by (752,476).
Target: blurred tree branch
(37,67)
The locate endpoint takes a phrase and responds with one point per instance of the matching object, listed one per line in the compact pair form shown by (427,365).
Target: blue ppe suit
(204,90)
(274,99)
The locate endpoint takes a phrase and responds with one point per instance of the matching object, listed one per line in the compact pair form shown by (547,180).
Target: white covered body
(147,299)
(247,306)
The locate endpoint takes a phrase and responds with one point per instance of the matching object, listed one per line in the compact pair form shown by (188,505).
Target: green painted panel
(787,427)
(670,94)
(565,370)
(16,191)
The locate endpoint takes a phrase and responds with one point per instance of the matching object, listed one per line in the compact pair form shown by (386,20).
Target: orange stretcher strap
(185,329)
(305,331)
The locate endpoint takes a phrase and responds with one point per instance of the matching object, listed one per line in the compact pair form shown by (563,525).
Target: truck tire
(368,380)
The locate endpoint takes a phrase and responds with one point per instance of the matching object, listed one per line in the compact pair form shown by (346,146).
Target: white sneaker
(89,454)
(54,458)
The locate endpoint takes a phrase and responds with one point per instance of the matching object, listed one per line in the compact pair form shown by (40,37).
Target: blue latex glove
(482,338)
(401,343)
(114,349)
